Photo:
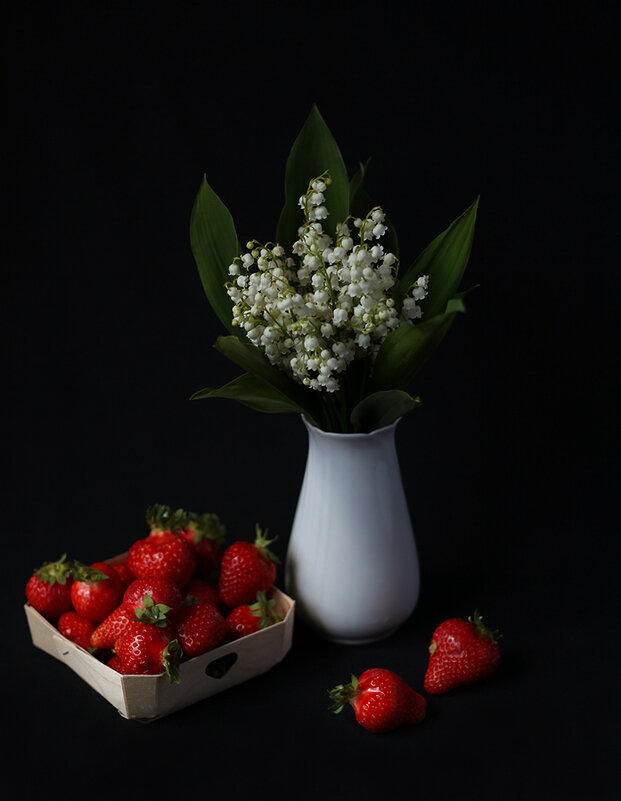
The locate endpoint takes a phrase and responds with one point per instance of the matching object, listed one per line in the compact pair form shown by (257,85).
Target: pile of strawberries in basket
(178,593)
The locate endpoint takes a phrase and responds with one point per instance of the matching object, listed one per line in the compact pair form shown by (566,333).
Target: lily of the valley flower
(329,302)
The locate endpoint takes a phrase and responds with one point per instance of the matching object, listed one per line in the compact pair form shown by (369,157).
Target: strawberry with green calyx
(162,520)
(146,650)
(246,569)
(249,618)
(152,613)
(206,536)
(76,628)
(96,591)
(144,611)
(461,652)
(163,553)
(48,590)
(381,700)
(154,591)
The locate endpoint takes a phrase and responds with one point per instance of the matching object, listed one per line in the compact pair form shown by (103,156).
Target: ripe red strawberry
(159,591)
(110,629)
(96,590)
(123,571)
(164,552)
(246,569)
(115,663)
(248,618)
(206,536)
(121,619)
(461,652)
(145,649)
(76,628)
(381,700)
(200,627)
(198,590)
(48,590)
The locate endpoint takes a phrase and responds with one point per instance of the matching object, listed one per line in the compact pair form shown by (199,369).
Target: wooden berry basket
(148,698)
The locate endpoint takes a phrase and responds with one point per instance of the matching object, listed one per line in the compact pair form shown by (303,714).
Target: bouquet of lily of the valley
(324,321)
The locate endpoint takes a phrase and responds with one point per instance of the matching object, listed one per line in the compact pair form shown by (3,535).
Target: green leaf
(214,245)
(381,409)
(252,392)
(253,361)
(405,351)
(313,152)
(356,182)
(444,260)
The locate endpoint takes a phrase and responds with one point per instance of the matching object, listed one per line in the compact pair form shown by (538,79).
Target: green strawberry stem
(171,657)
(206,526)
(265,610)
(261,543)
(82,572)
(342,694)
(152,614)
(160,517)
(477,621)
(190,600)
(58,571)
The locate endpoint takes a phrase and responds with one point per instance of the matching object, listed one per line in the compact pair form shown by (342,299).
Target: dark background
(115,111)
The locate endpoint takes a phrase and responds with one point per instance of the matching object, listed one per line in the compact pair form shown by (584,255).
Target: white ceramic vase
(352,563)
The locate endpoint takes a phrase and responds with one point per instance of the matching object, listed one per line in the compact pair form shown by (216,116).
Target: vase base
(360,640)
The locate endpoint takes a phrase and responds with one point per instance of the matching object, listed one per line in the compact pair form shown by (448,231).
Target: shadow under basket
(148,698)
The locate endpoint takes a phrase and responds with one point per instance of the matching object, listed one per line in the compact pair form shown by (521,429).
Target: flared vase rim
(350,437)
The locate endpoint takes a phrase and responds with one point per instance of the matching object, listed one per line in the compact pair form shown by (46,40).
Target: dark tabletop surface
(114,115)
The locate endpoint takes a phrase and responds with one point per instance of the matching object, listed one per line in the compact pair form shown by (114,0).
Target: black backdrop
(115,111)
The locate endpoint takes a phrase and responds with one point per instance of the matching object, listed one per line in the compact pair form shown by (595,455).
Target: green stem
(343,404)
(365,375)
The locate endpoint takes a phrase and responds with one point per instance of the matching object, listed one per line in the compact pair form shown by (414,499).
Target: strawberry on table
(206,536)
(96,590)
(164,552)
(248,618)
(246,569)
(48,590)
(200,627)
(76,628)
(461,652)
(381,700)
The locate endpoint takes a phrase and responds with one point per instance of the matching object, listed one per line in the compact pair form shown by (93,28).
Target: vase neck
(357,445)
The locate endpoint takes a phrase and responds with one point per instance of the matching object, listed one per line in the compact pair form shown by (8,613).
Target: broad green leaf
(214,245)
(253,393)
(381,409)
(313,152)
(405,351)
(357,181)
(444,261)
(253,361)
